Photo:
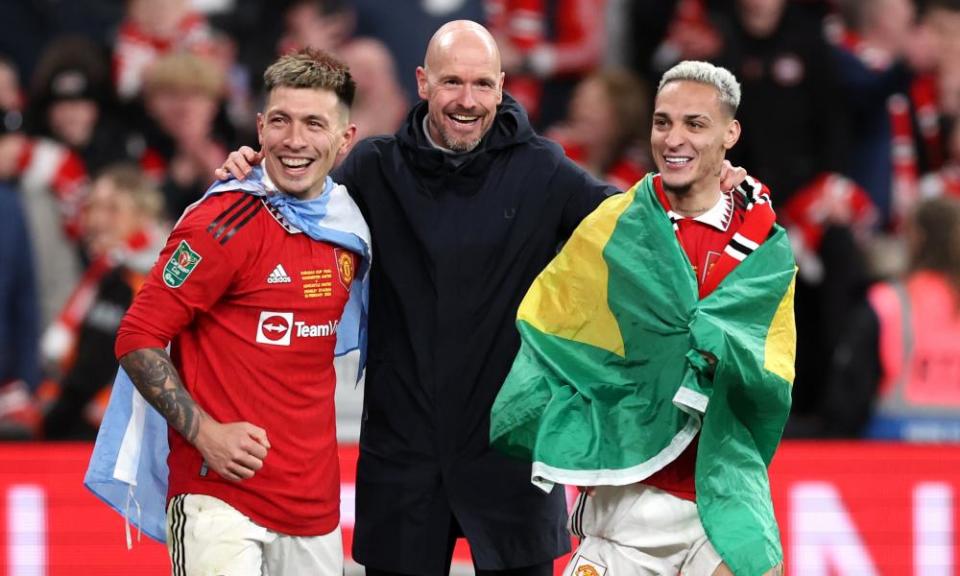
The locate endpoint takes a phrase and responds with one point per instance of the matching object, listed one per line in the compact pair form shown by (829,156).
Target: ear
(732,135)
(503,75)
(260,128)
(422,89)
(348,135)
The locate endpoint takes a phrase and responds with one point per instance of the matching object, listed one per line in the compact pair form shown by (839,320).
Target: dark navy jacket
(19,309)
(456,245)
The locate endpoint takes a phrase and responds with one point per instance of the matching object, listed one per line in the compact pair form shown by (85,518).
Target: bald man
(466,205)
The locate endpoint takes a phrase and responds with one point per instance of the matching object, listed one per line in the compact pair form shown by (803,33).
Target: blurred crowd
(115,113)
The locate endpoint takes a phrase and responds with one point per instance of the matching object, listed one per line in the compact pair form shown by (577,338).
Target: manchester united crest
(346,267)
(586,567)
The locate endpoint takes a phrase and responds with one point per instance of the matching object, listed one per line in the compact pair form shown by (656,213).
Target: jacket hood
(511,127)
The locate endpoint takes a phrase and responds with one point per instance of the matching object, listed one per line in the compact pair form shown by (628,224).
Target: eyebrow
(485,79)
(308,117)
(687,117)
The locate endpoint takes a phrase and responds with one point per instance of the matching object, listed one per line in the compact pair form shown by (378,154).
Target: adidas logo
(278,276)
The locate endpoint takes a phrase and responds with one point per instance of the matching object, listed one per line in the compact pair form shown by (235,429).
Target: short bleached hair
(720,78)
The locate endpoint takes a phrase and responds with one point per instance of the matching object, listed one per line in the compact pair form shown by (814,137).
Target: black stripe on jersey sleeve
(250,214)
(249,203)
(216,221)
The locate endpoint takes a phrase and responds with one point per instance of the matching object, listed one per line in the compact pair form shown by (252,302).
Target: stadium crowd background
(115,114)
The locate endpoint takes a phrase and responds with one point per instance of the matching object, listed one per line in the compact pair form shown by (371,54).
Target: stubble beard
(458,145)
(451,143)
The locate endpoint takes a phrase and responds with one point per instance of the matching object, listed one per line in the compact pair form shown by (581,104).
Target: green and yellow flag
(610,384)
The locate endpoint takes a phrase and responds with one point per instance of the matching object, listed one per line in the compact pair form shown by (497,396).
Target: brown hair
(311,68)
(187,72)
(936,226)
(631,104)
(129,179)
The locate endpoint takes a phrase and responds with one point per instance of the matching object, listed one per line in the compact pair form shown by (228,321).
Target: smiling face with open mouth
(301,132)
(691,134)
(462,84)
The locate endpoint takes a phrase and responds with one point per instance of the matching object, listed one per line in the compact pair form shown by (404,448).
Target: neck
(695,200)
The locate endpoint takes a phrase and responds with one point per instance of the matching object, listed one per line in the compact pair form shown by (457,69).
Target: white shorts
(638,530)
(208,537)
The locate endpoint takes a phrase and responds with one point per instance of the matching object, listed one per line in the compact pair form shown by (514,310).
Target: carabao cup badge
(181,263)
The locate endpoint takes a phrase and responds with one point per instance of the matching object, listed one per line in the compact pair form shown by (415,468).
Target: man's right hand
(239,163)
(235,451)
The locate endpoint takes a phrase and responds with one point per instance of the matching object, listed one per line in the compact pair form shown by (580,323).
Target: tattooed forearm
(154,375)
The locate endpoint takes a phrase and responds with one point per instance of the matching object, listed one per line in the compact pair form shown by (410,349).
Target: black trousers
(543,569)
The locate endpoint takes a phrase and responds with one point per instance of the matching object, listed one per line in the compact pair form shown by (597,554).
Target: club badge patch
(345,267)
(585,567)
(180,265)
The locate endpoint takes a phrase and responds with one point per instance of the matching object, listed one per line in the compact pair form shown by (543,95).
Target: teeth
(676,161)
(462,118)
(294,162)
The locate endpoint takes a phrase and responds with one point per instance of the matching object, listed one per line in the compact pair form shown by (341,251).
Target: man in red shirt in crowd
(251,304)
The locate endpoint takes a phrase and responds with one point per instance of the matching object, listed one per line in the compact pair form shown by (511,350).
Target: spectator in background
(122,235)
(239,108)
(407,30)
(19,319)
(608,120)
(664,32)
(182,96)
(946,180)
(547,46)
(150,29)
(71,102)
(380,105)
(52,181)
(11,97)
(941,19)
(322,24)
(879,49)
(778,51)
(896,372)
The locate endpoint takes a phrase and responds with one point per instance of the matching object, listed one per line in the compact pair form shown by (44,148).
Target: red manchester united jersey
(251,308)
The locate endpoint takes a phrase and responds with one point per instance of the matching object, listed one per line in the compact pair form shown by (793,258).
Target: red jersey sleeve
(195,268)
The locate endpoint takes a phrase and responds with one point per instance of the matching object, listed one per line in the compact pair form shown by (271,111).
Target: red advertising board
(845,509)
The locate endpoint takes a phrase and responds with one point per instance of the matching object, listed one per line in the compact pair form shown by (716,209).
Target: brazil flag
(611,382)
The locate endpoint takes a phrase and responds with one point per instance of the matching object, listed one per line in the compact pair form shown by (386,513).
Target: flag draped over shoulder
(128,468)
(610,384)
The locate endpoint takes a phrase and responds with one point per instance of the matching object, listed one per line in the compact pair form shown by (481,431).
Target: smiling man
(255,293)
(462,89)
(657,356)
(468,204)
